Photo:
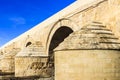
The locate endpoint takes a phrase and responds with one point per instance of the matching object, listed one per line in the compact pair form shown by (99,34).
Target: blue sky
(18,16)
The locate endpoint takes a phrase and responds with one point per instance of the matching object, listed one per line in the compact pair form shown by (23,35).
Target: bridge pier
(91,53)
(31,62)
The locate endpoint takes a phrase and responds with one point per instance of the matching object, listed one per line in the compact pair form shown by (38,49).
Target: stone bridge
(81,41)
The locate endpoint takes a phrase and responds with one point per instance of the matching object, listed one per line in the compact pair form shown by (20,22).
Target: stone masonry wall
(106,12)
(87,65)
(31,66)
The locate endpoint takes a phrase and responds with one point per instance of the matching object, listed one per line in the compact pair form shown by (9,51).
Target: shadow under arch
(28,44)
(59,36)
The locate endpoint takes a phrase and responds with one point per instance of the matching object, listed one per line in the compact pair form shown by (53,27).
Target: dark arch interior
(28,44)
(57,38)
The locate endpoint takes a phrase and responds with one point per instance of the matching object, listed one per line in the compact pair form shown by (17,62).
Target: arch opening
(28,44)
(58,37)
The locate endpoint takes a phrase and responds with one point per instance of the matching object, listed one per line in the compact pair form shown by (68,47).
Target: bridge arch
(28,41)
(28,44)
(59,36)
(65,25)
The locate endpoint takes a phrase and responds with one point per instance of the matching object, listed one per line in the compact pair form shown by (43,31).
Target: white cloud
(17,21)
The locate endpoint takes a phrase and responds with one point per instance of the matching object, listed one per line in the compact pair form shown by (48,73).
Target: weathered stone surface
(31,66)
(8,61)
(87,65)
(33,49)
(31,61)
(92,36)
